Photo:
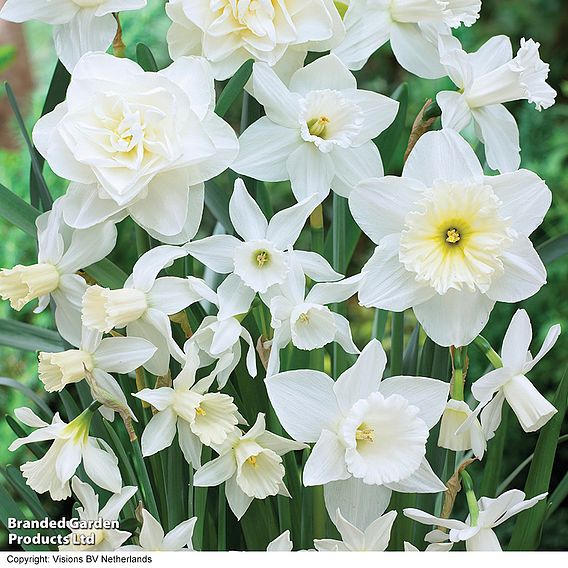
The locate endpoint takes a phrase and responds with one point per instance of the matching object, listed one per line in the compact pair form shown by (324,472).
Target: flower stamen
(453,236)
(365,434)
(318,126)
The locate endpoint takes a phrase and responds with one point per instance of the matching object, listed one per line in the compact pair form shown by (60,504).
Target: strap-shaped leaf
(28,337)
(146,58)
(553,249)
(17,211)
(29,393)
(234,88)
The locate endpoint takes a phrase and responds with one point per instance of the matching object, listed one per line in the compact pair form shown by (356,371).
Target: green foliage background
(544,140)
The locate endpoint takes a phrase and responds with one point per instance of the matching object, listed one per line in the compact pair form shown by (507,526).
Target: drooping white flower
(510,382)
(105,539)
(71,446)
(375,537)
(472,438)
(200,417)
(318,132)
(80,26)
(261,259)
(143,140)
(218,338)
(229,32)
(61,253)
(282,543)
(370,433)
(451,241)
(305,320)
(479,536)
(486,79)
(152,536)
(250,464)
(145,303)
(411,26)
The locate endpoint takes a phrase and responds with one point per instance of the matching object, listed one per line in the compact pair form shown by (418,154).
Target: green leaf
(42,194)
(493,461)
(26,337)
(558,496)
(7,56)
(107,274)
(389,140)
(217,201)
(146,58)
(12,384)
(553,249)
(17,211)
(410,359)
(234,88)
(527,531)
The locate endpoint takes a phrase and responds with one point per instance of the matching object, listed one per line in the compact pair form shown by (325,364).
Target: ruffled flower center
(56,370)
(312,326)
(22,284)
(259,470)
(451,12)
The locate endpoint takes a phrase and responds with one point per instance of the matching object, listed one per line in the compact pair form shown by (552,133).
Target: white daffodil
(218,338)
(478,536)
(451,241)
(411,26)
(250,464)
(61,253)
(374,538)
(71,446)
(141,139)
(261,260)
(97,356)
(229,32)
(145,303)
(472,438)
(152,536)
(370,433)
(433,547)
(199,416)
(305,320)
(282,543)
(105,539)
(80,26)
(318,132)
(486,79)
(510,382)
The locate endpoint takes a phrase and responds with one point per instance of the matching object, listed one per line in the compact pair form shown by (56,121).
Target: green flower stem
(397,343)
(340,265)
(458,376)
(222,520)
(485,347)
(467,484)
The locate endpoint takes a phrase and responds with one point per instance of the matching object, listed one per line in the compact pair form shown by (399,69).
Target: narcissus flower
(365,428)
(486,79)
(282,543)
(229,32)
(510,382)
(105,538)
(451,241)
(305,320)
(250,464)
(80,26)
(145,303)
(152,536)
(374,538)
(260,260)
(145,138)
(61,253)
(318,132)
(412,26)
(200,417)
(71,446)
(478,535)
(472,438)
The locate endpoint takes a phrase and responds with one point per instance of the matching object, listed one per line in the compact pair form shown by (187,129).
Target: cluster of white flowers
(450,241)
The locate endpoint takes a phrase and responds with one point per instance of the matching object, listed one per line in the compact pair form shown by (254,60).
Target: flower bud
(22,284)
(56,370)
(454,416)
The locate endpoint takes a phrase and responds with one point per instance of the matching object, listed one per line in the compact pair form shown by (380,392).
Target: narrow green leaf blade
(27,337)
(234,88)
(17,211)
(146,58)
(553,249)
(12,384)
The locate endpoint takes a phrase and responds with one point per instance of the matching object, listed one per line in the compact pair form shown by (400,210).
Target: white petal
(327,72)
(159,363)
(387,284)
(304,402)
(285,226)
(343,334)
(359,503)
(492,54)
(353,165)
(279,444)
(159,432)
(281,543)
(428,395)
(151,263)
(352,537)
(216,471)
(247,218)
(102,467)
(264,149)
(226,335)
(456,318)
(377,535)
(189,443)
(238,500)
(123,354)
(456,114)
(311,172)
(517,341)
(491,415)
(235,298)
(379,112)
(498,130)
(443,155)
(484,388)
(427,519)
(363,378)
(526,199)
(280,105)
(524,273)
(215,252)
(326,461)
(414,51)
(56,12)
(116,503)
(28,417)
(549,342)
(161,325)
(379,206)
(87,497)
(68,460)
(83,208)
(423,480)
(334,292)
(523,506)
(152,533)
(316,267)
(483,541)
(180,536)
(171,295)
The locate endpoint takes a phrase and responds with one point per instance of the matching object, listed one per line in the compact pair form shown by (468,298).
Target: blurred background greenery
(544,140)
